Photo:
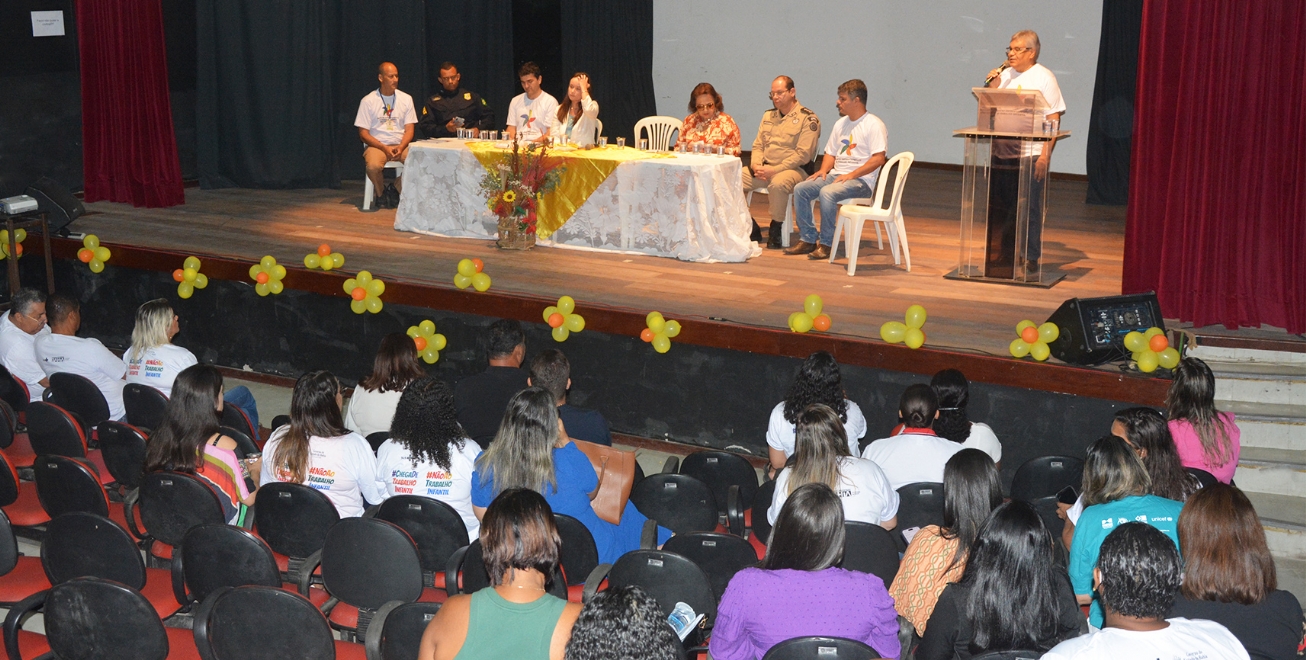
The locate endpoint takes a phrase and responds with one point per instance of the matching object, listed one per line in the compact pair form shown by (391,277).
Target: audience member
(189,441)
(916,454)
(454,107)
(316,450)
(531,113)
(799,591)
(18,332)
(551,370)
(786,142)
(953,391)
(577,119)
(1013,596)
(623,623)
(1136,578)
(62,351)
(532,451)
(1229,575)
(427,453)
(515,617)
(822,457)
(1116,488)
(372,406)
(936,555)
(482,398)
(817,381)
(1206,438)
(385,122)
(708,122)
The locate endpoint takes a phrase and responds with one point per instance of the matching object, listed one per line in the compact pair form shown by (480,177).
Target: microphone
(1001,68)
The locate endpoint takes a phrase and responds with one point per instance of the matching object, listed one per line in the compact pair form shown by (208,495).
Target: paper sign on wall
(47,24)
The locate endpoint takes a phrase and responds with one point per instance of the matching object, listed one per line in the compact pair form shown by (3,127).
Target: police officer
(786,142)
(440,111)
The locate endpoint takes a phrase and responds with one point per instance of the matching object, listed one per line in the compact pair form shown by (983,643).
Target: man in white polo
(386,119)
(18,332)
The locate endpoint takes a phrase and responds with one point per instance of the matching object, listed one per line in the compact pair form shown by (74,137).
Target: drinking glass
(643,145)
(720,150)
(603,141)
(621,143)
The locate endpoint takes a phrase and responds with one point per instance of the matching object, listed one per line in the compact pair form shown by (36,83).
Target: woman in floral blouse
(707,123)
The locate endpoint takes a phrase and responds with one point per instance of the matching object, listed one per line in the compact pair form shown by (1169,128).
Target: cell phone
(459,121)
(1067,495)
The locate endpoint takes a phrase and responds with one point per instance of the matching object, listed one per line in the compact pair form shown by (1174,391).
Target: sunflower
(509,196)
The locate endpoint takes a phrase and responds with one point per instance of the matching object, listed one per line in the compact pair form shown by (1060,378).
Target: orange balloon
(177,275)
(1029,334)
(20,249)
(420,343)
(324,250)
(480,265)
(821,322)
(262,278)
(556,320)
(646,334)
(84,255)
(1157,343)
(358,293)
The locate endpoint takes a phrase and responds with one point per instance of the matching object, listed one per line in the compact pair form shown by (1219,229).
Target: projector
(18,204)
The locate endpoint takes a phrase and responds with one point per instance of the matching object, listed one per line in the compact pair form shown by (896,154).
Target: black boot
(756,236)
(774,236)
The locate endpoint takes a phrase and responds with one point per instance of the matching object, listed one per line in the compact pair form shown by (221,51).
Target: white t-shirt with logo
(1035,77)
(158,367)
(781,433)
(910,458)
(532,117)
(18,354)
(852,143)
(84,357)
(1183,639)
(387,128)
(863,489)
(401,475)
(343,468)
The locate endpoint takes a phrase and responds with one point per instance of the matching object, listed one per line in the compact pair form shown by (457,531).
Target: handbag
(616,470)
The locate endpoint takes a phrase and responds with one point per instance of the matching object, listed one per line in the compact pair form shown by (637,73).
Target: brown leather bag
(616,470)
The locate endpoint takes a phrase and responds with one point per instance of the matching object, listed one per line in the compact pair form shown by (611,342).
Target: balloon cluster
(92,253)
(469,274)
(659,331)
(428,343)
(811,317)
(563,318)
(324,258)
(1151,349)
(189,277)
(366,292)
(909,332)
(20,235)
(267,275)
(1033,340)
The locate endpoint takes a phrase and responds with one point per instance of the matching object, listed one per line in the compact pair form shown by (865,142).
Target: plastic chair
(667,577)
(13,391)
(84,544)
(65,485)
(123,448)
(171,503)
(598,131)
(920,504)
(16,447)
(761,529)
(676,501)
(788,227)
(579,556)
(466,573)
(293,520)
(719,555)
(1045,476)
(146,406)
(659,131)
(19,501)
(434,526)
(234,417)
(821,648)
(259,622)
(377,439)
(216,555)
(244,444)
(852,217)
(20,576)
(870,549)
(369,194)
(78,395)
(397,629)
(723,472)
(52,429)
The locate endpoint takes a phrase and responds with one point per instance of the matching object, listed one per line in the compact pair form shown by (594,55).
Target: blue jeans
(242,398)
(830,195)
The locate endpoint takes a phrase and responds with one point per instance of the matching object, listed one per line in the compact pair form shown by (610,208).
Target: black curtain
(613,43)
(1111,126)
(477,37)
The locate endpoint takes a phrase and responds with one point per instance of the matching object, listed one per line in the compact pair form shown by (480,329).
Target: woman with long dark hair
(936,555)
(428,453)
(1013,596)
(315,449)
(818,381)
(759,608)
(953,390)
(372,406)
(578,114)
(1206,438)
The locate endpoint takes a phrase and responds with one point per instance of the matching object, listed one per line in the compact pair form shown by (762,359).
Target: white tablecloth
(690,207)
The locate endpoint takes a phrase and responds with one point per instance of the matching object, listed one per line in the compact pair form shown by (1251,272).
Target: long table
(685,206)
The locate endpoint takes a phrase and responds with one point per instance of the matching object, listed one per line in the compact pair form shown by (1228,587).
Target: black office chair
(78,395)
(20,576)
(870,549)
(170,503)
(396,630)
(1045,476)
(377,439)
(579,557)
(678,502)
(667,577)
(722,472)
(81,544)
(719,555)
(434,526)
(1008,655)
(1203,477)
(466,573)
(234,417)
(65,484)
(293,519)
(20,501)
(54,430)
(920,504)
(123,447)
(146,406)
(13,391)
(260,622)
(244,443)
(821,648)
(216,555)
(761,502)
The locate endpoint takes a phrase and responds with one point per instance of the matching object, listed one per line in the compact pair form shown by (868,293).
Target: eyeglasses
(1018,50)
(776,95)
(704,106)
(450,78)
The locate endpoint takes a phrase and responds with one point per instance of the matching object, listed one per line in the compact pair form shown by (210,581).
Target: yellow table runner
(587,169)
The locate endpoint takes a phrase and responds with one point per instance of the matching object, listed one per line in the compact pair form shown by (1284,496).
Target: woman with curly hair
(818,381)
(428,453)
(953,390)
(623,622)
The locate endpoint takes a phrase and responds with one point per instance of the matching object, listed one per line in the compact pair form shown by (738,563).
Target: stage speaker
(1093,329)
(58,201)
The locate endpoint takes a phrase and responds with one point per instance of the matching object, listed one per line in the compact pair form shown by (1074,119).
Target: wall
(918,59)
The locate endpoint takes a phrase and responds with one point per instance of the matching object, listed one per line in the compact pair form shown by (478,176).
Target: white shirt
(984,439)
(532,117)
(1035,77)
(158,367)
(369,411)
(852,143)
(387,128)
(19,356)
(582,131)
(909,458)
(1183,639)
(780,433)
(343,468)
(863,489)
(403,476)
(84,357)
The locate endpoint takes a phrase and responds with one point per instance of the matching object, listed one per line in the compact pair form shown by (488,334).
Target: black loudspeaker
(58,201)
(1093,329)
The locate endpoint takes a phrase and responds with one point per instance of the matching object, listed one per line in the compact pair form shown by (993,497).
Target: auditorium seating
(170,503)
(434,526)
(146,407)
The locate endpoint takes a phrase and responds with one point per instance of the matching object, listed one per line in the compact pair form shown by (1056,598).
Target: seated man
(853,157)
(551,371)
(481,399)
(915,454)
(18,331)
(1138,572)
(385,124)
(786,142)
(62,351)
(453,108)
(531,113)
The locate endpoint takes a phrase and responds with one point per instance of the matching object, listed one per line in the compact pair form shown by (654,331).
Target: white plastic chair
(598,133)
(852,217)
(659,131)
(788,227)
(369,194)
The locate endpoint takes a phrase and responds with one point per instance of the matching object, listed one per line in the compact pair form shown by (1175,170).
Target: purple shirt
(763,608)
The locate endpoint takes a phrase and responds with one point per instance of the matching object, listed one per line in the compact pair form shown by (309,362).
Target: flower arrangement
(513,190)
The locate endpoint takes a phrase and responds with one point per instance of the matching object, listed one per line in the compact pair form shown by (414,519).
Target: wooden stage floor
(1086,242)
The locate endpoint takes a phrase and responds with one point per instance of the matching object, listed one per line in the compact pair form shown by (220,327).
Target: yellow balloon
(1048,333)
(893,332)
(1019,348)
(358,306)
(96,265)
(550,311)
(278,272)
(481,282)
(802,322)
(566,305)
(915,316)
(575,322)
(192,263)
(561,333)
(1039,351)
(102,253)
(812,305)
(673,328)
(20,234)
(461,281)
(1020,327)
(350,285)
(262,288)
(312,261)
(268,261)
(661,344)
(914,338)
(1148,361)
(201,280)
(91,241)
(1168,358)
(337,260)
(254,271)
(648,320)
(438,342)
(1135,341)
(189,274)
(1153,331)
(376,288)
(413,331)
(657,324)
(374,305)
(430,356)
(363,277)
(185,290)
(426,327)
(325,263)
(276,286)
(466,267)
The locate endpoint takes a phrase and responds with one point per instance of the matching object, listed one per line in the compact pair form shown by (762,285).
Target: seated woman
(818,381)
(953,390)
(759,607)
(577,120)
(1236,589)
(532,451)
(1206,438)
(372,406)
(1013,596)
(188,441)
(708,123)
(626,623)
(937,555)
(515,617)
(822,456)
(314,449)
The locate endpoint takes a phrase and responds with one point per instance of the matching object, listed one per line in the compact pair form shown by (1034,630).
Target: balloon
(278,272)
(374,305)
(412,331)
(657,324)
(268,261)
(1135,342)
(821,322)
(262,289)
(176,275)
(376,288)
(323,250)
(358,306)
(420,343)
(430,356)
(440,342)
(96,265)
(276,286)
(201,280)
(1020,327)
(648,320)
(1048,332)
(1158,343)
(481,282)
(312,261)
(467,267)
(20,250)
(426,327)
(1019,348)
(358,293)
(185,289)
(20,234)
(566,305)
(84,255)
(461,281)
(893,332)
(325,263)
(673,329)
(1168,358)
(102,253)
(1039,351)
(915,316)
(802,322)
(480,265)
(561,333)
(363,277)
(575,322)
(646,334)
(91,241)
(791,319)
(189,274)
(812,305)
(1148,361)
(262,278)
(661,344)
(1153,331)
(549,311)
(253,271)
(1029,334)
(191,262)
(556,320)
(337,260)
(914,338)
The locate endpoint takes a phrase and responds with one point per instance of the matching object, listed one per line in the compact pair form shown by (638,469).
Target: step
(1282,475)
(1260,382)
(1270,425)
(1287,543)
(1285,508)
(1211,354)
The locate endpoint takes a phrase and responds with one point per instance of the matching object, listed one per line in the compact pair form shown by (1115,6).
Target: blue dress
(576,479)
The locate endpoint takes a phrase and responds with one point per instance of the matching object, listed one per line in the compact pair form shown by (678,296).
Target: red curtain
(1217,209)
(128,144)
